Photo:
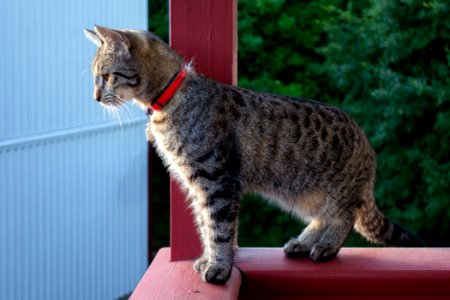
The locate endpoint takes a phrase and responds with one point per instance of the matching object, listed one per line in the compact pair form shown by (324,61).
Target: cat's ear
(91,35)
(113,36)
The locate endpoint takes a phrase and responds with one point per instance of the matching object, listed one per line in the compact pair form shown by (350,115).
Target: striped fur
(222,141)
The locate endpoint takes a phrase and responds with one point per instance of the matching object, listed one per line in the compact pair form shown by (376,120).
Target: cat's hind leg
(339,219)
(308,207)
(324,236)
(331,241)
(303,244)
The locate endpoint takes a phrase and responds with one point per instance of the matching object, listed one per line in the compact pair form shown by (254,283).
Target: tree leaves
(387,64)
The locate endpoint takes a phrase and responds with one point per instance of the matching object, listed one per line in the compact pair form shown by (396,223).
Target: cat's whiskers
(121,110)
(108,105)
(129,111)
(115,106)
(124,108)
(110,113)
(116,114)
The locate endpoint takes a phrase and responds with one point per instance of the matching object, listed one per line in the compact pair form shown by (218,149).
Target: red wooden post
(205,31)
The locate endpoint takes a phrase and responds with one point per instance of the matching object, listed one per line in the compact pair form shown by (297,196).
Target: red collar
(168,92)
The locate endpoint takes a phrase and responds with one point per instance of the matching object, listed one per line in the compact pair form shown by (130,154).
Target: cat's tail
(373,225)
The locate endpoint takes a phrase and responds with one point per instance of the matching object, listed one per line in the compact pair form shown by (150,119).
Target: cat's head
(129,64)
(116,77)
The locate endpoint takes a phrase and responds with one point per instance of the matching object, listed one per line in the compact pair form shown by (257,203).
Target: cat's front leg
(197,206)
(217,219)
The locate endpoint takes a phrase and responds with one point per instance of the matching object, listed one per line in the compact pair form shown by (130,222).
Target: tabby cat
(222,141)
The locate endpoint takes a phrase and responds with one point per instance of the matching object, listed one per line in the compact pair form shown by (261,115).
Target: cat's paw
(200,264)
(295,249)
(323,252)
(216,273)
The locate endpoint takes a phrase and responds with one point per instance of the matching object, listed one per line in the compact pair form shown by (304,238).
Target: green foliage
(384,62)
(280,39)
(159,18)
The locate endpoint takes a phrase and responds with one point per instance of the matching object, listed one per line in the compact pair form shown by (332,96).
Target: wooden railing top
(265,273)
(355,271)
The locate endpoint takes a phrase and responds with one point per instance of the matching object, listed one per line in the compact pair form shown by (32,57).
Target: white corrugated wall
(73,184)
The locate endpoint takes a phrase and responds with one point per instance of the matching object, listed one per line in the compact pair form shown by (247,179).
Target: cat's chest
(180,136)
(165,137)
(169,145)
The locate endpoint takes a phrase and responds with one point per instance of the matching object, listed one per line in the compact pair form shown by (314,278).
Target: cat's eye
(106,77)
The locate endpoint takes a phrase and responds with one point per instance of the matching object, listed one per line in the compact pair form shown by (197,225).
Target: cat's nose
(97,94)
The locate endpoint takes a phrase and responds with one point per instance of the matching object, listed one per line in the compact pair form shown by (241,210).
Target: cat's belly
(307,205)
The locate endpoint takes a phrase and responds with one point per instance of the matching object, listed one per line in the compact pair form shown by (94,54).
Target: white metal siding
(73,184)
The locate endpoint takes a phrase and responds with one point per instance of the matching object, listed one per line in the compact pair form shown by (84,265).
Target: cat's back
(290,142)
(272,126)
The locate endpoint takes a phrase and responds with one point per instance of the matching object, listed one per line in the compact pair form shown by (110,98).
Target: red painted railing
(206,32)
(356,273)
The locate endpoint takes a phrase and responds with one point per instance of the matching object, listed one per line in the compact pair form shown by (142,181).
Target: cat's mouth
(112,102)
(107,104)
(117,108)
